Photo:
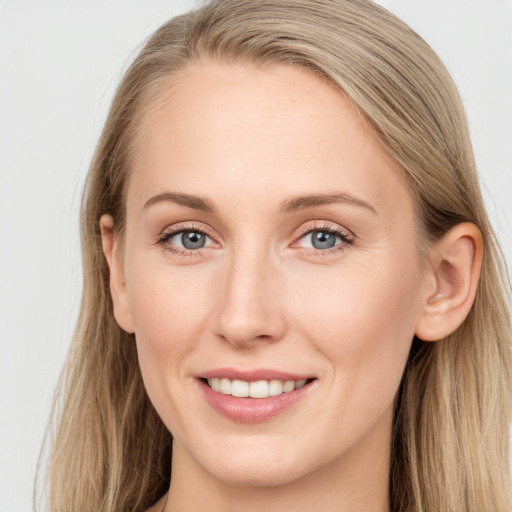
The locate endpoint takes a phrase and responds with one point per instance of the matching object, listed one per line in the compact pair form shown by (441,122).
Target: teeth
(215,384)
(240,388)
(300,383)
(275,387)
(225,386)
(288,386)
(257,389)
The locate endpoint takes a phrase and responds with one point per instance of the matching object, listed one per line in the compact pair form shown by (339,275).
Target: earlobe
(456,260)
(117,283)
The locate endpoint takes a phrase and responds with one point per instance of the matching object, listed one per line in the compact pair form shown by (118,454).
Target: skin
(258,295)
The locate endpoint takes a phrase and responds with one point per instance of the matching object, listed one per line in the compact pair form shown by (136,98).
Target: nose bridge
(249,310)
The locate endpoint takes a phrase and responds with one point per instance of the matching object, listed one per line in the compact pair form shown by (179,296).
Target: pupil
(323,240)
(192,240)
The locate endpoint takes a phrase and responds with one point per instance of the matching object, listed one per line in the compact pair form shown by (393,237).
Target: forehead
(278,131)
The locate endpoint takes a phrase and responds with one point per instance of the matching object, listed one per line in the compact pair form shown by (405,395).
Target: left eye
(189,240)
(322,239)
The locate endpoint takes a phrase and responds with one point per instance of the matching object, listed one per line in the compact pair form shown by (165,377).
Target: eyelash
(168,234)
(345,237)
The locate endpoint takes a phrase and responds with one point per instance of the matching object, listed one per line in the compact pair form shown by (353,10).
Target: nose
(249,311)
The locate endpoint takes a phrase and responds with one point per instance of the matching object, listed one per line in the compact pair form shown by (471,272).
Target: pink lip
(252,375)
(251,410)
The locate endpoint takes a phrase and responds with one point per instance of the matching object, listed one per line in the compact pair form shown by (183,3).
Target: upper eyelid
(181,227)
(171,231)
(304,229)
(327,226)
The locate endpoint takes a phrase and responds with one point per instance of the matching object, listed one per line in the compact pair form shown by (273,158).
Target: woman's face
(270,240)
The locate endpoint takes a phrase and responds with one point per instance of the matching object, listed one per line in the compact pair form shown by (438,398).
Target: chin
(254,471)
(257,477)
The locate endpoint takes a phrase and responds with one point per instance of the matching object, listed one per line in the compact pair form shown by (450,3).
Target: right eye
(185,241)
(189,240)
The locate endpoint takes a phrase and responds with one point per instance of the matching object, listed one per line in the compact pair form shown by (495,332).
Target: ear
(117,283)
(451,282)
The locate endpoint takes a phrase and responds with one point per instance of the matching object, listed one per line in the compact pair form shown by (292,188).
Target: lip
(252,375)
(252,410)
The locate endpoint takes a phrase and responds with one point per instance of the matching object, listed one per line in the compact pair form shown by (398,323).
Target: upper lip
(252,375)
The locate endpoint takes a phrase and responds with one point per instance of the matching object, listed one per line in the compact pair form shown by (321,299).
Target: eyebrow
(309,201)
(190,201)
(291,205)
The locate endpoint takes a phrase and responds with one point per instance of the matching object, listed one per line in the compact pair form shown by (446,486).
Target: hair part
(450,445)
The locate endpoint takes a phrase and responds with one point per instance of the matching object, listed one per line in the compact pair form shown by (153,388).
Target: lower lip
(252,410)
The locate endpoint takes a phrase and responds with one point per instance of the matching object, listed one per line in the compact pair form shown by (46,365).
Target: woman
(289,268)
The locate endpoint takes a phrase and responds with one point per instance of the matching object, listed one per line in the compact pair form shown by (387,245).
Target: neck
(359,480)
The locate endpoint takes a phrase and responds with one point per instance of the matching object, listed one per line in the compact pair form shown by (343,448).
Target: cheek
(362,324)
(168,308)
(363,318)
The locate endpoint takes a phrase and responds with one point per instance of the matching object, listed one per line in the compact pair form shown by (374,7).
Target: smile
(253,396)
(257,389)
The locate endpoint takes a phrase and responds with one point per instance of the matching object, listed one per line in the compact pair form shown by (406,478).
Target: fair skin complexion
(331,287)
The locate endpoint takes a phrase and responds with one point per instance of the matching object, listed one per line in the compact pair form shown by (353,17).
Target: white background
(59,63)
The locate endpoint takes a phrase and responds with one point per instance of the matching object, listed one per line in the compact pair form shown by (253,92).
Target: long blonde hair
(111,452)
